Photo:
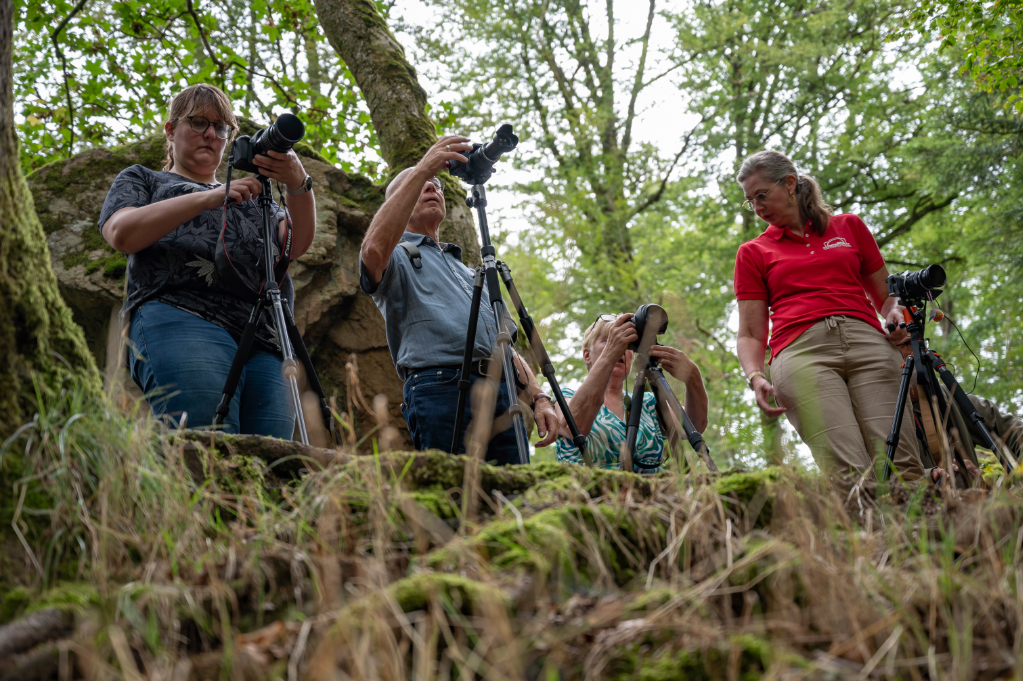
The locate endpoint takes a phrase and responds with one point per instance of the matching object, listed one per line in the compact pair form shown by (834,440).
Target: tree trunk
(397,103)
(35,324)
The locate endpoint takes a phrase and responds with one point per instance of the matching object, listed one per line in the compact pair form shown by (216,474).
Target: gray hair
(775,166)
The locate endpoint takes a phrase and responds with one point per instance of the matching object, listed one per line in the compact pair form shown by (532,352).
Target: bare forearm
(587,401)
(389,224)
(750,351)
(303,217)
(130,230)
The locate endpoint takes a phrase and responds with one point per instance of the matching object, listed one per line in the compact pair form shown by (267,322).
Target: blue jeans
(181,362)
(430,398)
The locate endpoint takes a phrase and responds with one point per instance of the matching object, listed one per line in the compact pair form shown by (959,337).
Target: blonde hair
(196,100)
(597,330)
(775,166)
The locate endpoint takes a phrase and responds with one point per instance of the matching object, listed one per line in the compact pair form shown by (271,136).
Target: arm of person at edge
(887,306)
(684,370)
(589,398)
(390,221)
(750,347)
(131,230)
(543,410)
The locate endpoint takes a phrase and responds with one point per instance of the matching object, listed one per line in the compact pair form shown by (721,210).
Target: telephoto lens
(927,279)
(480,164)
(653,314)
(281,136)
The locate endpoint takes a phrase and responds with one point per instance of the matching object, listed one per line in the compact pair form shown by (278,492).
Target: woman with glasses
(185,319)
(821,279)
(599,405)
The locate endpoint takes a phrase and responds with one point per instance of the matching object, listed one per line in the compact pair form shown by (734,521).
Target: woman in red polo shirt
(821,278)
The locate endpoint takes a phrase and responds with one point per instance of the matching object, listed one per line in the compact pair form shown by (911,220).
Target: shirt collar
(418,240)
(776,232)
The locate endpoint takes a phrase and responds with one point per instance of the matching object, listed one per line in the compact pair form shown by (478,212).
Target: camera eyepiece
(917,286)
(480,164)
(650,313)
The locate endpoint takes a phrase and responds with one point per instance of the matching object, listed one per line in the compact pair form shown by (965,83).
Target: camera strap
(414,255)
(234,279)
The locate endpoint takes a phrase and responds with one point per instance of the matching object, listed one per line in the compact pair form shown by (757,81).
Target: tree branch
(637,83)
(63,62)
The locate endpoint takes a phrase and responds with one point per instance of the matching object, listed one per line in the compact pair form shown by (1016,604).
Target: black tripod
(669,409)
(287,334)
(933,406)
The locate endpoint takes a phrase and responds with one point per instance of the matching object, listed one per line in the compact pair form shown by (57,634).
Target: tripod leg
(632,426)
(465,382)
(965,406)
(546,366)
(290,365)
(962,477)
(240,358)
(310,372)
(662,390)
(508,371)
(900,409)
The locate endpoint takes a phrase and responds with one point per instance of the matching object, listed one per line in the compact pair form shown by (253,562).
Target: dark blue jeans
(431,396)
(180,362)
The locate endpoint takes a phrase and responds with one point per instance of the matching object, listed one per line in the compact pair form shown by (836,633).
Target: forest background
(633,120)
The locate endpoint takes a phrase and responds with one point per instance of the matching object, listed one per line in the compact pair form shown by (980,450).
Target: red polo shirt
(805,277)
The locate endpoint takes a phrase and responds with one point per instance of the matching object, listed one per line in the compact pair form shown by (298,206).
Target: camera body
(648,314)
(480,164)
(911,287)
(280,136)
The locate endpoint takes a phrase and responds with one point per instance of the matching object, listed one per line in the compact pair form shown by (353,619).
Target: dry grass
(397,566)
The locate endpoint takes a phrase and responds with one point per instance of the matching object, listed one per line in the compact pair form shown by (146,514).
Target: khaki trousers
(840,381)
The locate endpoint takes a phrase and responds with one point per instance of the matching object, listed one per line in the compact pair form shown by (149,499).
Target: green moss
(14,603)
(414,593)
(436,501)
(74,596)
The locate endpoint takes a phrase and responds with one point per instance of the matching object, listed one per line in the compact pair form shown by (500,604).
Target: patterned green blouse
(607,438)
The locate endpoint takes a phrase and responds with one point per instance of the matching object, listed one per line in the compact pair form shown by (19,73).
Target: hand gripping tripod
(654,321)
(933,406)
(284,324)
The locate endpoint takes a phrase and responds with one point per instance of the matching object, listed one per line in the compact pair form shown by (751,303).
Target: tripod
(654,320)
(933,406)
(287,333)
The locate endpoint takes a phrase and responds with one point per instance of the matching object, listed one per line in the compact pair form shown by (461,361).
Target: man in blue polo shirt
(426,310)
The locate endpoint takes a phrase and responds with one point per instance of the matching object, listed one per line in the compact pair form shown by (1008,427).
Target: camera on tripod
(653,314)
(480,164)
(280,136)
(916,286)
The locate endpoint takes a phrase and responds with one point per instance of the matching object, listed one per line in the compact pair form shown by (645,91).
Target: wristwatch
(541,396)
(307,186)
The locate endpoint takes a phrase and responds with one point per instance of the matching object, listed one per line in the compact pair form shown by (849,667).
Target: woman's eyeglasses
(200,124)
(759,198)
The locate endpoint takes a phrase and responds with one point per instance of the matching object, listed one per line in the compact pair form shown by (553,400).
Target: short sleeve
(132,188)
(870,255)
(567,451)
(750,281)
(386,279)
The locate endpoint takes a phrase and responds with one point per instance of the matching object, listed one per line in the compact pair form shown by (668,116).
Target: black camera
(648,314)
(916,286)
(482,158)
(281,136)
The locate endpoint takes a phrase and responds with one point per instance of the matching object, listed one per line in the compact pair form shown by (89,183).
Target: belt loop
(831,323)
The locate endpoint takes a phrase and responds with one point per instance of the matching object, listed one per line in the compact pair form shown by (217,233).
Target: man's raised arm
(402,194)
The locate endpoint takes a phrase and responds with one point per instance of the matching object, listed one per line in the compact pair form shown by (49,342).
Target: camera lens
(281,136)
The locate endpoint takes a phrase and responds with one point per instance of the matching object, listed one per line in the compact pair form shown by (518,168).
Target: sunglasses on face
(200,124)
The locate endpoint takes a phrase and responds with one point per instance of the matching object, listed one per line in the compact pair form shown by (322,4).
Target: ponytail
(811,203)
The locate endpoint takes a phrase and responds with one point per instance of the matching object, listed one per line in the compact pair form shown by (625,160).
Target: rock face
(336,318)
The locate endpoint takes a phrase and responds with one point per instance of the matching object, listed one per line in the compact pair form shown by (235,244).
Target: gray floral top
(607,438)
(180,269)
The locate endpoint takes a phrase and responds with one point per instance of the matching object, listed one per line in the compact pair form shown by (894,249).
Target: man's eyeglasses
(200,124)
(605,318)
(759,198)
(437,184)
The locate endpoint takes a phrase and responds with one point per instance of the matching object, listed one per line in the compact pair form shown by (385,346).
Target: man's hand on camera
(243,189)
(619,336)
(286,168)
(765,391)
(675,361)
(437,157)
(546,422)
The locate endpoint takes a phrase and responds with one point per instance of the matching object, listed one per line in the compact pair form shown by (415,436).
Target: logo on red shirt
(837,242)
